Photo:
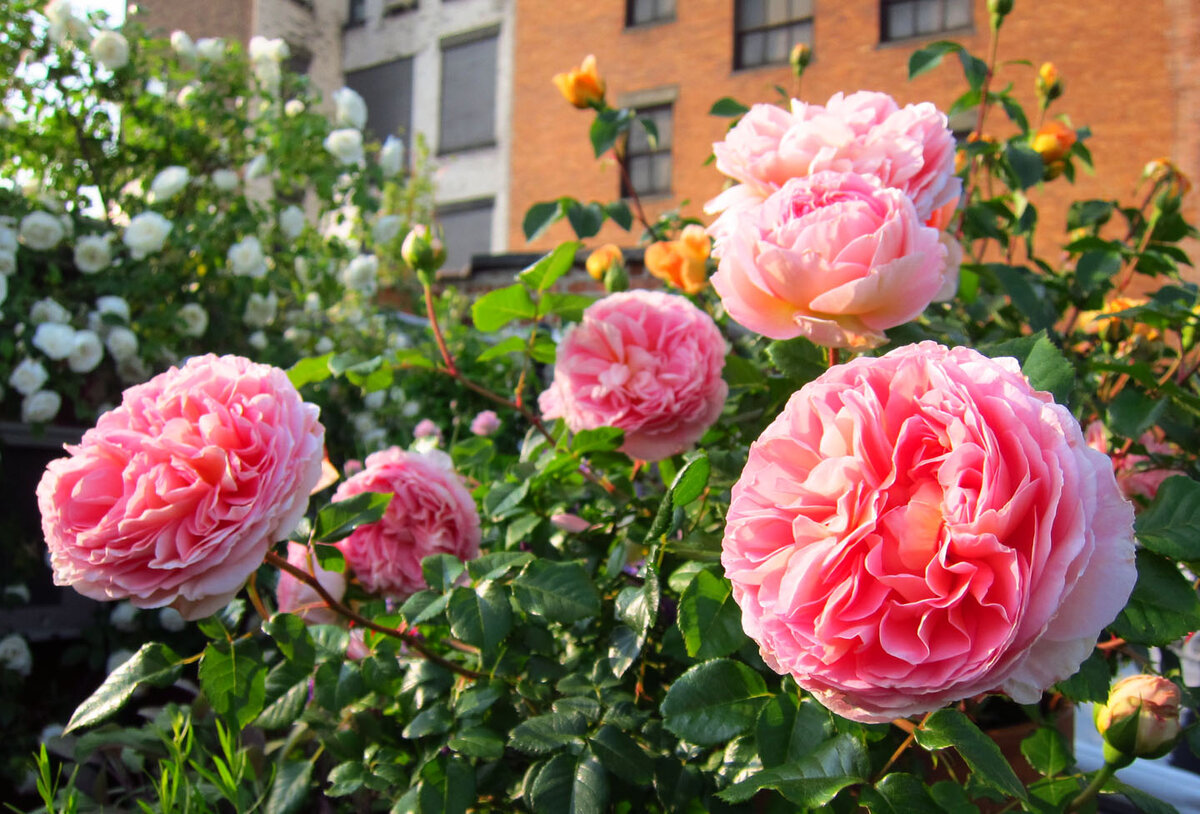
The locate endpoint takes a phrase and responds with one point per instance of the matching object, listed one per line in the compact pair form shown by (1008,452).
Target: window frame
(458,41)
(885,37)
(739,63)
(630,22)
(627,188)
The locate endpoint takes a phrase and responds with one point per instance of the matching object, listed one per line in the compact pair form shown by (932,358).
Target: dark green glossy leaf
(289,790)
(727,107)
(153,663)
(714,701)
(1047,369)
(1026,164)
(557,591)
(546,733)
(788,730)
(480,617)
(709,620)
(1171,524)
(447,786)
(233,678)
(621,755)
(949,727)
(339,520)
(291,637)
(540,217)
(441,571)
(1163,606)
(690,482)
(479,742)
(585,219)
(812,782)
(1047,751)
(898,793)
(929,57)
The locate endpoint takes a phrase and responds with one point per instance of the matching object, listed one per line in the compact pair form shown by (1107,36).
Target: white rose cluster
(350,110)
(194,319)
(246,258)
(261,310)
(391,157)
(8,250)
(110,50)
(169,182)
(93,253)
(291,222)
(362,274)
(146,234)
(225,180)
(266,60)
(345,145)
(41,231)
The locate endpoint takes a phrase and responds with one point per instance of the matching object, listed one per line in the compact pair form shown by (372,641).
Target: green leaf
(1091,680)
(1047,751)
(480,617)
(929,57)
(1028,295)
(621,755)
(1047,369)
(291,637)
(601,439)
(153,663)
(974,69)
(690,482)
(949,727)
(283,706)
(546,733)
(435,719)
(569,307)
(510,344)
(557,591)
(289,789)
(1131,413)
(497,308)
(787,731)
(310,370)
(1163,606)
(620,213)
(1089,213)
(330,558)
(447,786)
(423,606)
(339,520)
(714,701)
(637,606)
(585,219)
(812,782)
(478,741)
(728,107)
(1026,164)
(797,359)
(1146,803)
(1093,269)
(566,783)
(505,498)
(607,127)
(496,564)
(546,271)
(346,778)
(540,217)
(625,645)
(898,793)
(709,620)
(1171,524)
(233,678)
(441,571)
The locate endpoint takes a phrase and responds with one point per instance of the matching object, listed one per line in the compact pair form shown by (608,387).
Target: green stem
(1087,795)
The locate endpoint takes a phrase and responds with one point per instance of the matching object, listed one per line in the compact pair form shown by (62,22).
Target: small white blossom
(171,620)
(257,167)
(8,263)
(28,377)
(41,231)
(54,339)
(375,399)
(93,253)
(346,145)
(124,617)
(211,49)
(110,50)
(387,228)
(64,25)
(40,407)
(351,109)
(391,156)
(306,272)
(246,258)
(156,87)
(168,183)
(8,239)
(225,180)
(294,107)
(257,340)
(122,343)
(291,222)
(47,309)
(146,234)
(324,345)
(87,352)
(194,319)
(112,304)
(410,409)
(312,303)
(185,49)
(362,274)
(271,50)
(15,654)
(260,310)
(297,336)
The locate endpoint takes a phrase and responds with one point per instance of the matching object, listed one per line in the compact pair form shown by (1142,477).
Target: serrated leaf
(435,719)
(1047,369)
(233,678)
(949,727)
(510,344)
(637,606)
(1095,268)
(480,617)
(621,755)
(929,57)
(1170,526)
(788,730)
(798,359)
(1163,606)
(497,308)
(441,571)
(812,782)
(338,520)
(898,793)
(479,742)
(568,307)
(1026,164)
(546,271)
(728,107)
(346,778)
(624,646)
(540,217)
(282,711)
(1047,751)
(291,637)
(690,482)
(709,619)
(1131,413)
(714,701)
(546,733)
(601,439)
(153,663)
(310,370)
(447,786)
(496,564)
(289,789)
(423,606)
(1090,682)
(557,591)
(567,783)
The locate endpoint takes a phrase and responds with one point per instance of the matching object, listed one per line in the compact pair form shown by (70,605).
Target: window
(766,30)
(391,7)
(299,61)
(649,164)
(468,115)
(466,230)
(642,12)
(387,90)
(357,13)
(900,19)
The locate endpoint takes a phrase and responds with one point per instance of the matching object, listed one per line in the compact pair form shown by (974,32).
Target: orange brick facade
(232,19)
(1130,75)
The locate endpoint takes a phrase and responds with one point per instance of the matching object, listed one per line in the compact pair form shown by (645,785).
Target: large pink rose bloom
(910,149)
(923,527)
(645,361)
(174,497)
(431,513)
(834,257)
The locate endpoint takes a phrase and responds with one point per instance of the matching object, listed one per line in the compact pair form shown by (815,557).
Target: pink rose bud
(352,467)
(427,429)
(295,596)
(1140,718)
(570,522)
(486,423)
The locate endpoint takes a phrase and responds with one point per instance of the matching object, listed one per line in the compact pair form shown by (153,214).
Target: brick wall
(209,18)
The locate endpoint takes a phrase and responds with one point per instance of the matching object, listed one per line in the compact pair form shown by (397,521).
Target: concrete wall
(316,28)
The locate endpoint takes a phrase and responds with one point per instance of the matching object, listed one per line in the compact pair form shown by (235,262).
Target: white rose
(15,654)
(122,343)
(375,399)
(54,339)
(171,620)
(246,258)
(194,319)
(386,228)
(362,274)
(324,345)
(8,263)
(312,303)
(260,310)
(110,50)
(184,48)
(112,304)
(64,24)
(345,145)
(256,167)
(391,156)
(41,231)
(294,107)
(3,288)
(257,340)
(146,234)
(291,222)
(169,183)
(8,239)
(40,407)
(124,617)
(87,353)
(351,110)
(48,310)
(211,49)
(263,49)
(93,253)
(225,180)
(28,377)
(269,75)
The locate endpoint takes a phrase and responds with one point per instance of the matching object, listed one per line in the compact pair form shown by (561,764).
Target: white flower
(257,167)
(211,49)
(225,180)
(122,343)
(8,238)
(312,303)
(260,311)
(124,617)
(297,336)
(263,49)
(169,183)
(110,50)
(48,310)
(112,304)
(246,258)
(185,49)
(171,620)
(146,234)
(386,228)
(269,75)
(41,230)
(324,345)
(64,24)
(257,340)
(54,339)
(410,409)
(8,263)
(346,145)
(28,377)
(362,274)
(116,659)
(184,97)
(294,107)
(3,288)
(291,222)
(87,353)
(351,110)
(40,407)
(375,399)
(156,87)
(194,319)
(15,654)
(391,156)
(93,253)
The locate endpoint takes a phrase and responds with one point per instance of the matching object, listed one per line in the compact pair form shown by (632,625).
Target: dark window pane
(928,16)
(387,90)
(467,230)
(779,44)
(777,12)
(900,21)
(468,116)
(750,14)
(357,13)
(753,48)
(766,30)
(910,18)
(666,9)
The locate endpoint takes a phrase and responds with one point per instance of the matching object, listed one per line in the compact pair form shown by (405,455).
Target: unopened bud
(1049,85)
(423,252)
(598,262)
(616,278)
(1140,718)
(800,57)
(999,9)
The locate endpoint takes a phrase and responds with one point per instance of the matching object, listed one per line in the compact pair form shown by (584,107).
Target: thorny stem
(408,638)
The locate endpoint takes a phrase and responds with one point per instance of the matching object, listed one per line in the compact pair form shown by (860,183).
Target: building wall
(232,19)
(1124,75)
(315,27)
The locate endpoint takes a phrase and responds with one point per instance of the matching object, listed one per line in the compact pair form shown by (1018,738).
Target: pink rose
(431,513)
(834,257)
(427,429)
(572,523)
(645,361)
(174,497)
(923,527)
(486,423)
(295,597)
(1134,475)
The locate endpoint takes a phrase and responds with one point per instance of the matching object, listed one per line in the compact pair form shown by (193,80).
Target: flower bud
(1049,84)
(1053,141)
(1140,718)
(583,86)
(423,252)
(598,261)
(616,278)
(999,9)
(799,58)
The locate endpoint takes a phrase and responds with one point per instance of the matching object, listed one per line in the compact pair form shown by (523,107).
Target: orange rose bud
(799,58)
(1165,172)
(583,86)
(1053,141)
(599,261)
(1049,86)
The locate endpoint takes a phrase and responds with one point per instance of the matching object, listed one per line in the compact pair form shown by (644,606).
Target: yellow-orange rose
(1053,141)
(582,86)
(602,259)
(682,263)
